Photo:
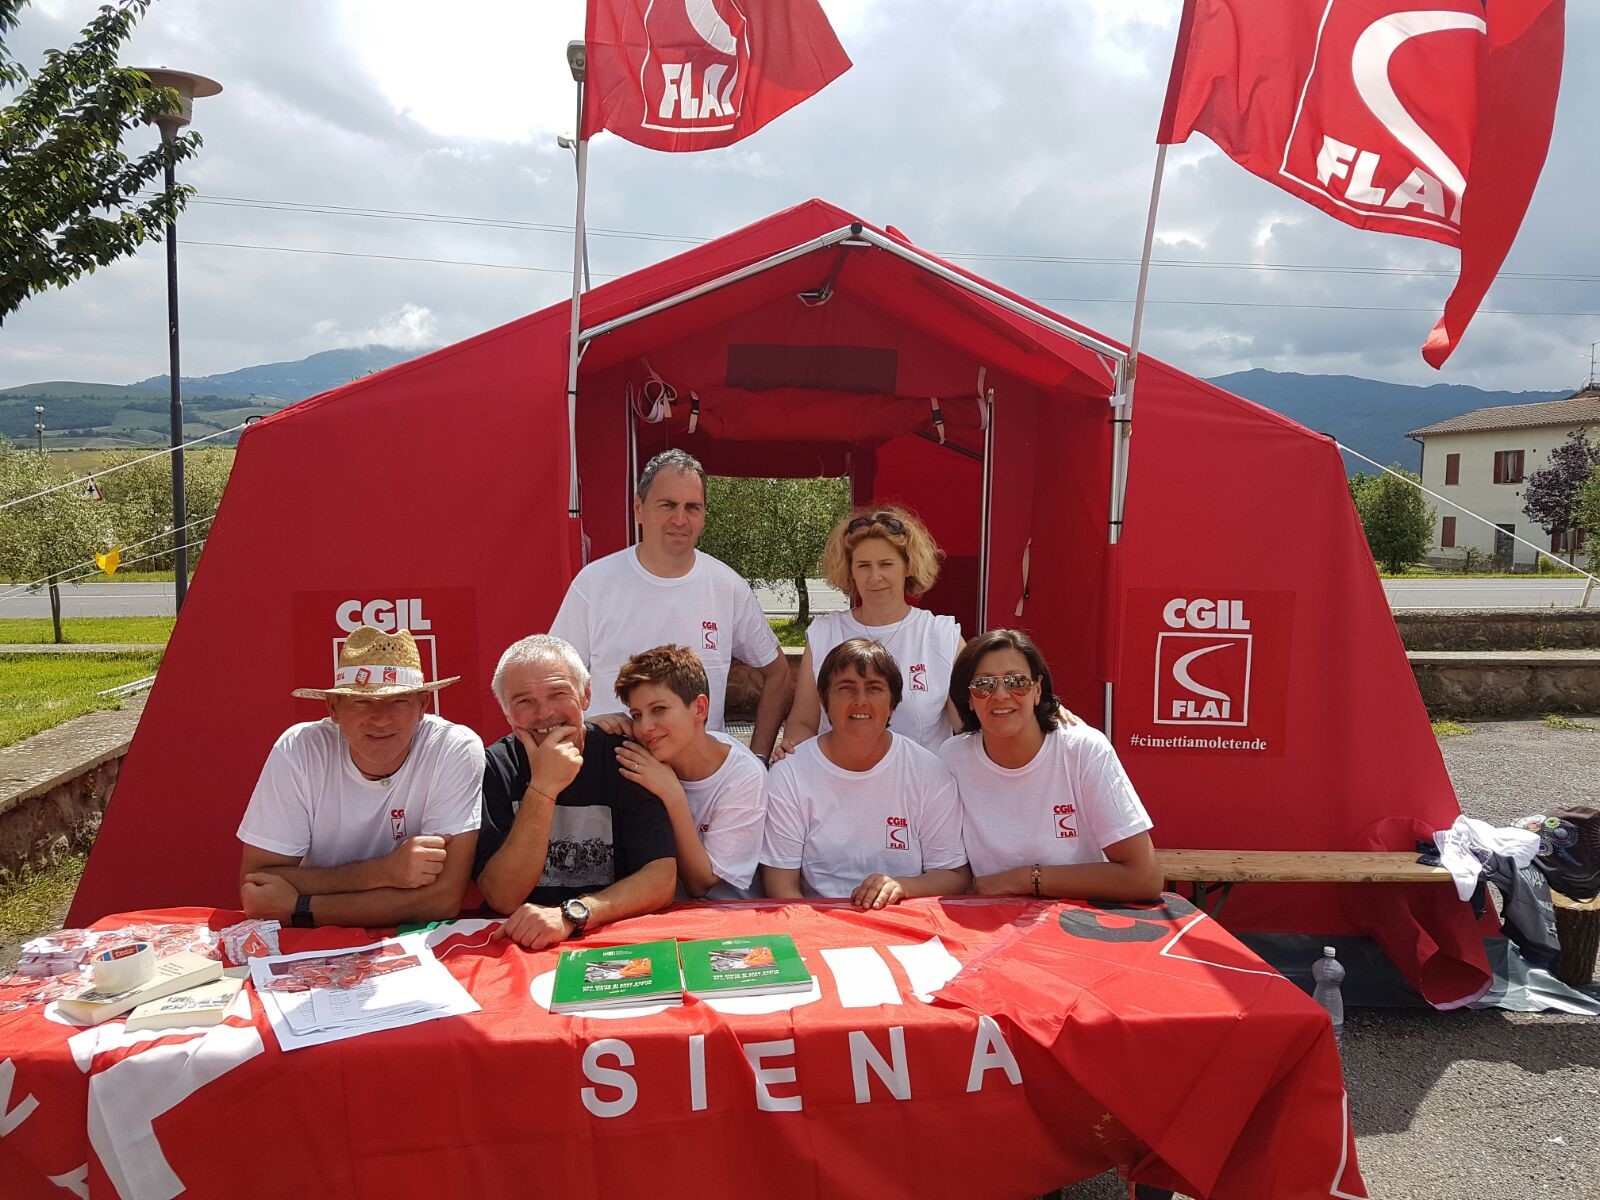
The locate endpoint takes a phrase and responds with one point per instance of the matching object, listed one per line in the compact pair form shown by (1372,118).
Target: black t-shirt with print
(604,828)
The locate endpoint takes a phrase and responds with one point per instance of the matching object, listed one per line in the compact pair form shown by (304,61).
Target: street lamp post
(38,424)
(188,86)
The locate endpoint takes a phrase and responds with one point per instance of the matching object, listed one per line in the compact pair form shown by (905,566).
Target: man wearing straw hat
(368,817)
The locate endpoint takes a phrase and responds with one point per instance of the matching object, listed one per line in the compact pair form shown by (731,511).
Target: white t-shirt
(729,808)
(312,802)
(925,646)
(614,608)
(900,818)
(1065,807)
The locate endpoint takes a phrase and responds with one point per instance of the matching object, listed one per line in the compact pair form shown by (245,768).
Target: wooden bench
(1219,870)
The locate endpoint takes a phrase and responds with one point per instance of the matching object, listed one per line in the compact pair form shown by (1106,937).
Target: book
(758,965)
(203,1005)
(613,976)
(173,974)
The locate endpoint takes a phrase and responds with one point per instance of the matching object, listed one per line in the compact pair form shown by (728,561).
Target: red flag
(698,74)
(1382,113)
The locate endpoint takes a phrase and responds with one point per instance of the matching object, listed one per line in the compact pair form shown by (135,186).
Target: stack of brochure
(761,965)
(617,976)
(651,972)
(326,995)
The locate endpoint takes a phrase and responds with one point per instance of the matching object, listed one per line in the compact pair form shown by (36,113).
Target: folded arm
(1131,873)
(375,892)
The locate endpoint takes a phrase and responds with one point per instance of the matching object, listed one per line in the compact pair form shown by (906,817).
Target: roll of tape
(123,966)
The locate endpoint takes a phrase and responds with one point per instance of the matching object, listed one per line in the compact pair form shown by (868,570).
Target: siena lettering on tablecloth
(776,1081)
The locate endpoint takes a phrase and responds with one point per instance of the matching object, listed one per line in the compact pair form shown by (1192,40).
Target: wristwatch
(577,912)
(303,918)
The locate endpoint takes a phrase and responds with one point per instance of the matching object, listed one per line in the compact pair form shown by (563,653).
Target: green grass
(87,631)
(136,576)
(1446,729)
(40,691)
(35,901)
(1557,721)
(1432,573)
(789,630)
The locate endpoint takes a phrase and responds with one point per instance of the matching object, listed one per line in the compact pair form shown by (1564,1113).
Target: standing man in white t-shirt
(368,817)
(665,592)
(714,790)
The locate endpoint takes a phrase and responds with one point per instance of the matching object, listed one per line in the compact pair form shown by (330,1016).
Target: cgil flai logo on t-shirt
(708,635)
(894,836)
(397,819)
(919,681)
(1065,827)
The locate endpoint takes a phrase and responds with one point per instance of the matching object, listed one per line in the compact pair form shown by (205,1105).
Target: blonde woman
(879,556)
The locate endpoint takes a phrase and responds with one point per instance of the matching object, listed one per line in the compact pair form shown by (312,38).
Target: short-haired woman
(861,811)
(879,556)
(1047,809)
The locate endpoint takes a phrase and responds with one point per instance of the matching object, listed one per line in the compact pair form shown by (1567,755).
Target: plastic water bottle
(1328,974)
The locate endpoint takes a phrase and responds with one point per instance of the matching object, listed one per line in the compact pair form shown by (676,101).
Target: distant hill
(101,415)
(290,381)
(1365,414)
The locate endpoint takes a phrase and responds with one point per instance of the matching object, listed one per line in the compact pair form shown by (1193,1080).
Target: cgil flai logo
(1203,663)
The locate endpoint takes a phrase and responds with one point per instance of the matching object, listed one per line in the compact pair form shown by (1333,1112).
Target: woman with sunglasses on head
(1047,809)
(878,556)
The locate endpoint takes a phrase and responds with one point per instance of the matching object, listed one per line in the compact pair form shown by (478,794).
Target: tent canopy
(1262,697)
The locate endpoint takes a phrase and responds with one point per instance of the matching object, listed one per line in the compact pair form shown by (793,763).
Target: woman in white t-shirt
(861,811)
(1047,809)
(878,556)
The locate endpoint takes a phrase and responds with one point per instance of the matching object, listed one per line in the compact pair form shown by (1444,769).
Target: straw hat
(375,663)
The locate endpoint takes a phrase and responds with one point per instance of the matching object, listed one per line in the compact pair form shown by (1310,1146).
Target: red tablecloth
(1074,1039)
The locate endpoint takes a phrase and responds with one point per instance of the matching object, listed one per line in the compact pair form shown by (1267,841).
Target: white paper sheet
(343,998)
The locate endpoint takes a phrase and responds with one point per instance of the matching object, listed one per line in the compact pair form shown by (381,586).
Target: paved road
(94,600)
(1487,593)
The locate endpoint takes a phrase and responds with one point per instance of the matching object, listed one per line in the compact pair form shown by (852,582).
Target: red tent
(1232,623)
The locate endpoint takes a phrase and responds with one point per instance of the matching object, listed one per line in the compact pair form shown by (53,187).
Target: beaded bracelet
(1036,890)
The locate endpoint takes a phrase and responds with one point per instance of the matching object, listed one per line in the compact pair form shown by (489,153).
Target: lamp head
(189,87)
(577,60)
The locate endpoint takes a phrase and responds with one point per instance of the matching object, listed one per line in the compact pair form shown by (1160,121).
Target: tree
(1550,497)
(48,537)
(1396,517)
(1589,516)
(772,531)
(140,499)
(61,161)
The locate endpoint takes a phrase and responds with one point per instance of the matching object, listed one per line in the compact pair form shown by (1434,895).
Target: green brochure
(743,966)
(613,976)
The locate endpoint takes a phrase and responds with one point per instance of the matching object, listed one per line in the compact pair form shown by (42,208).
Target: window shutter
(1447,537)
(1499,467)
(1452,468)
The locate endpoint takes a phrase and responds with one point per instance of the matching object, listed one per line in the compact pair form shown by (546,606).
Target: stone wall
(36,829)
(1499,629)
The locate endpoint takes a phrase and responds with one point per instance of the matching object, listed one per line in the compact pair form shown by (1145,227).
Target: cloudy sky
(387,171)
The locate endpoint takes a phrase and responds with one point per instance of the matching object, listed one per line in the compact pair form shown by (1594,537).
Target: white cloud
(409,327)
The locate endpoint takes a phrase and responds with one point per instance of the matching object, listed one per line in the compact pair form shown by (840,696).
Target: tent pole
(1122,399)
(988,506)
(574,507)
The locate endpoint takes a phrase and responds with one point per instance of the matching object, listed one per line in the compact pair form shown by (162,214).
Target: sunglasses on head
(888,520)
(984,686)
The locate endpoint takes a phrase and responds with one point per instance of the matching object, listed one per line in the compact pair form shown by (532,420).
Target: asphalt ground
(1473,1105)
